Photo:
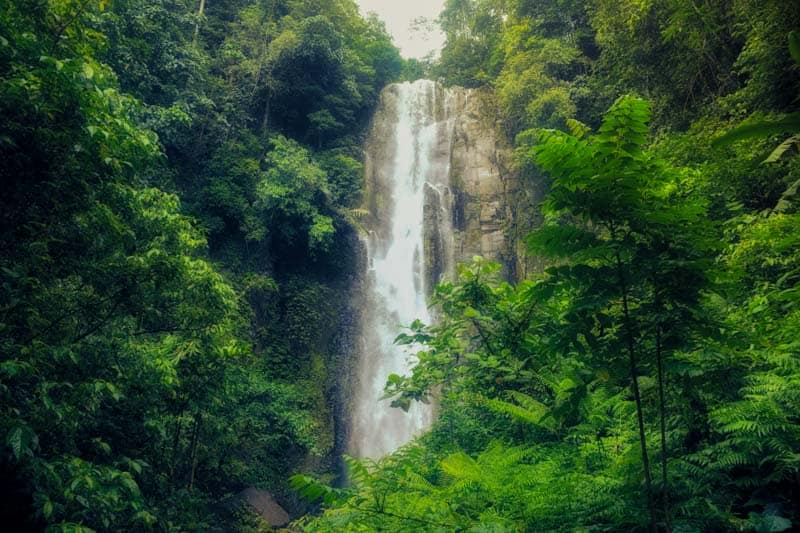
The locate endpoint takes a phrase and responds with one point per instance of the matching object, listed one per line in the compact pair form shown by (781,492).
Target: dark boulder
(262,503)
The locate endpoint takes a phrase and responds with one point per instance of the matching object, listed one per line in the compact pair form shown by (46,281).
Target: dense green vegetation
(648,378)
(179,182)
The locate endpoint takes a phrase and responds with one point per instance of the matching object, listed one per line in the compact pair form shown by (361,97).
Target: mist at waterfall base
(407,167)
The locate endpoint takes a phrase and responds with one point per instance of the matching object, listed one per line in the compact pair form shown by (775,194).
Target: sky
(398,16)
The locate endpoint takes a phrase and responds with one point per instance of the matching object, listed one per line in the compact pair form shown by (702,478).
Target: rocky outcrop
(473,194)
(264,505)
(484,184)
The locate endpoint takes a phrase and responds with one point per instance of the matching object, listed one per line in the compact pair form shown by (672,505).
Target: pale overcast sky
(399,14)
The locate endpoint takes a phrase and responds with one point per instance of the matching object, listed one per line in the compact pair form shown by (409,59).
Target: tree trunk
(265,118)
(200,11)
(175,443)
(195,435)
(636,395)
(663,423)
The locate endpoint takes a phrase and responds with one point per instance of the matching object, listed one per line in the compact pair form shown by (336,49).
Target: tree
(632,234)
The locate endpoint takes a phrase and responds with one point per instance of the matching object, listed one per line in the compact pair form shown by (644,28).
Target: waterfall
(409,246)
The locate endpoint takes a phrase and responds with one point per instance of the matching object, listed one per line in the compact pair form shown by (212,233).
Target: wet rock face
(471,199)
(471,180)
(483,183)
(437,249)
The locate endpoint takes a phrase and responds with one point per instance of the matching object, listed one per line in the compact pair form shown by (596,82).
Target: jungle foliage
(176,179)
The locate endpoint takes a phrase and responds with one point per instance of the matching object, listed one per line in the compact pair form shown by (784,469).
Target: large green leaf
(14,440)
(787,148)
(794,46)
(760,128)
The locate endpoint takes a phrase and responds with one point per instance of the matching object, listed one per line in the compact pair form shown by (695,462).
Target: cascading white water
(407,167)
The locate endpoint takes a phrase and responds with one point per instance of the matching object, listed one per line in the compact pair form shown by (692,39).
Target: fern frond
(577,128)
(358,471)
(313,490)
(461,467)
